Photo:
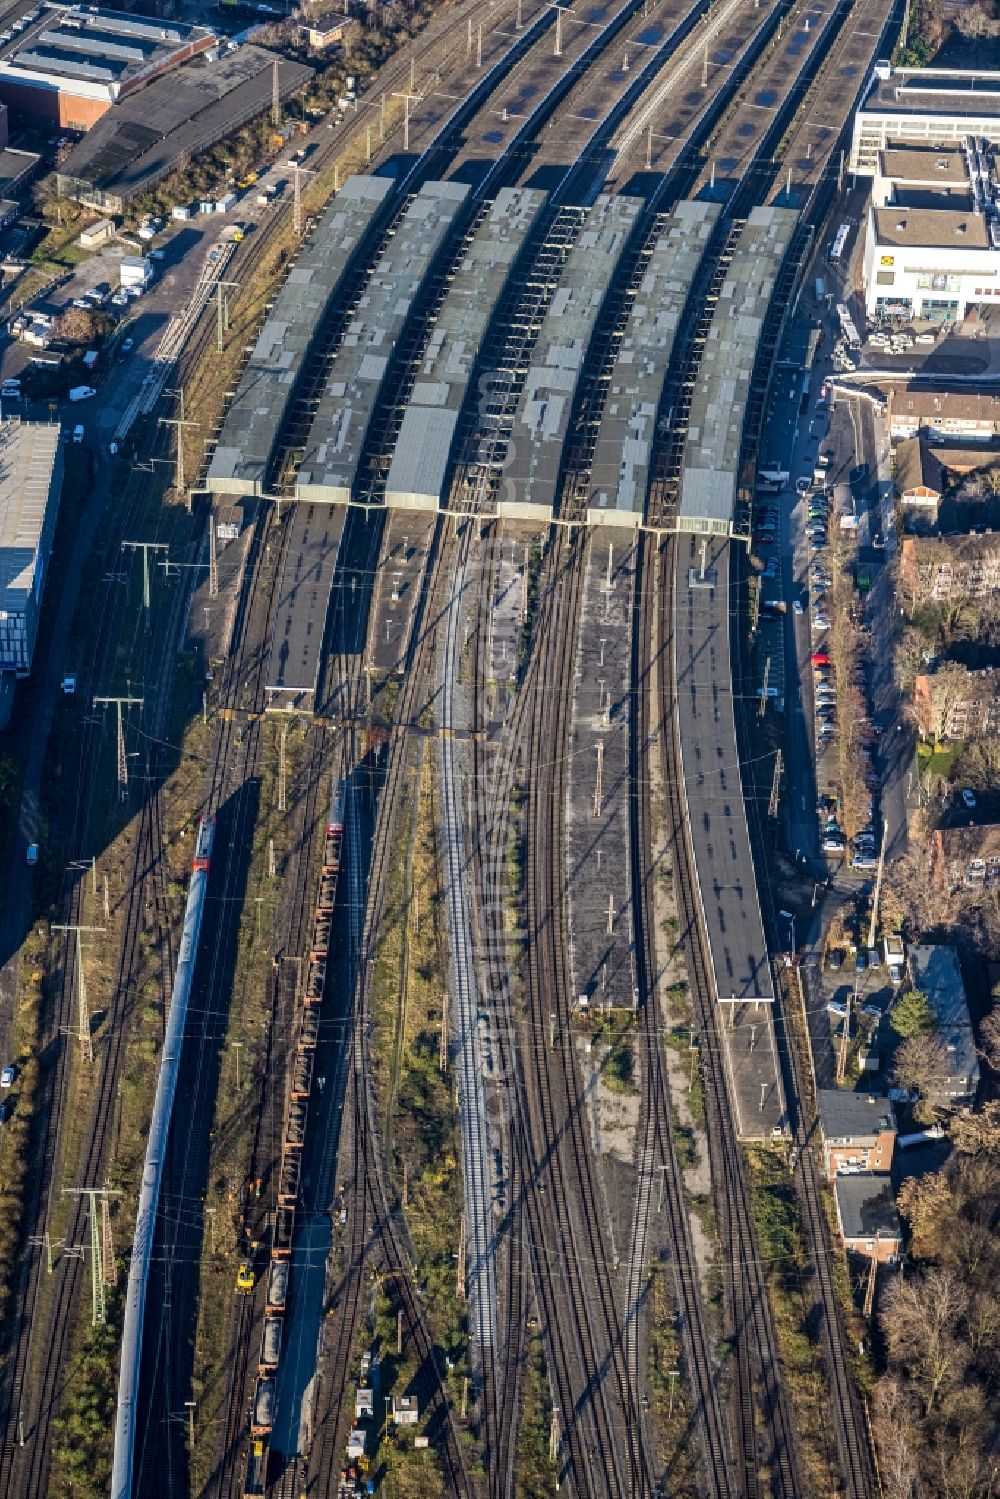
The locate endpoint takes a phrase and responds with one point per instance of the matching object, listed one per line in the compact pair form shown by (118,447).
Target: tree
(922,1066)
(989,1038)
(939,694)
(923,1328)
(980,765)
(974,19)
(925,1202)
(912,1014)
(911,897)
(76,326)
(897,1442)
(977,1134)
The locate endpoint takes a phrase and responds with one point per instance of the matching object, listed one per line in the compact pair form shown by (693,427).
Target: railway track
(647,730)
(32,1405)
(605,1431)
(232,790)
(251,751)
(377,466)
(744,1282)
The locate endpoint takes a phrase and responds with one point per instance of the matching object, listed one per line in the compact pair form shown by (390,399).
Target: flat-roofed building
(923,106)
(31,469)
(858,1129)
(932,261)
(75,61)
(155,130)
(955,703)
(901,166)
(866,1213)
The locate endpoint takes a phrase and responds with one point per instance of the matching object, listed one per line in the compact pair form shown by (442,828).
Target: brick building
(957,704)
(941,415)
(858,1129)
(919,476)
(940,568)
(866,1212)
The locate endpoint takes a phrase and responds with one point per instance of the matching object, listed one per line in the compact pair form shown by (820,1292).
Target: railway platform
(598,881)
(532,464)
(347,404)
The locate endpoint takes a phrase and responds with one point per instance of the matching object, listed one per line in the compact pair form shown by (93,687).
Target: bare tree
(978,1134)
(974,19)
(983,1325)
(936,696)
(909,656)
(912,898)
(989,1039)
(895,1438)
(76,325)
(922,1322)
(925,1202)
(922,1066)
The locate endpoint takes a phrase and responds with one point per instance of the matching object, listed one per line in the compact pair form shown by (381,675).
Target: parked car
(861,961)
(32,853)
(834,843)
(7,1077)
(798,606)
(835,958)
(837,1007)
(969,798)
(820,658)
